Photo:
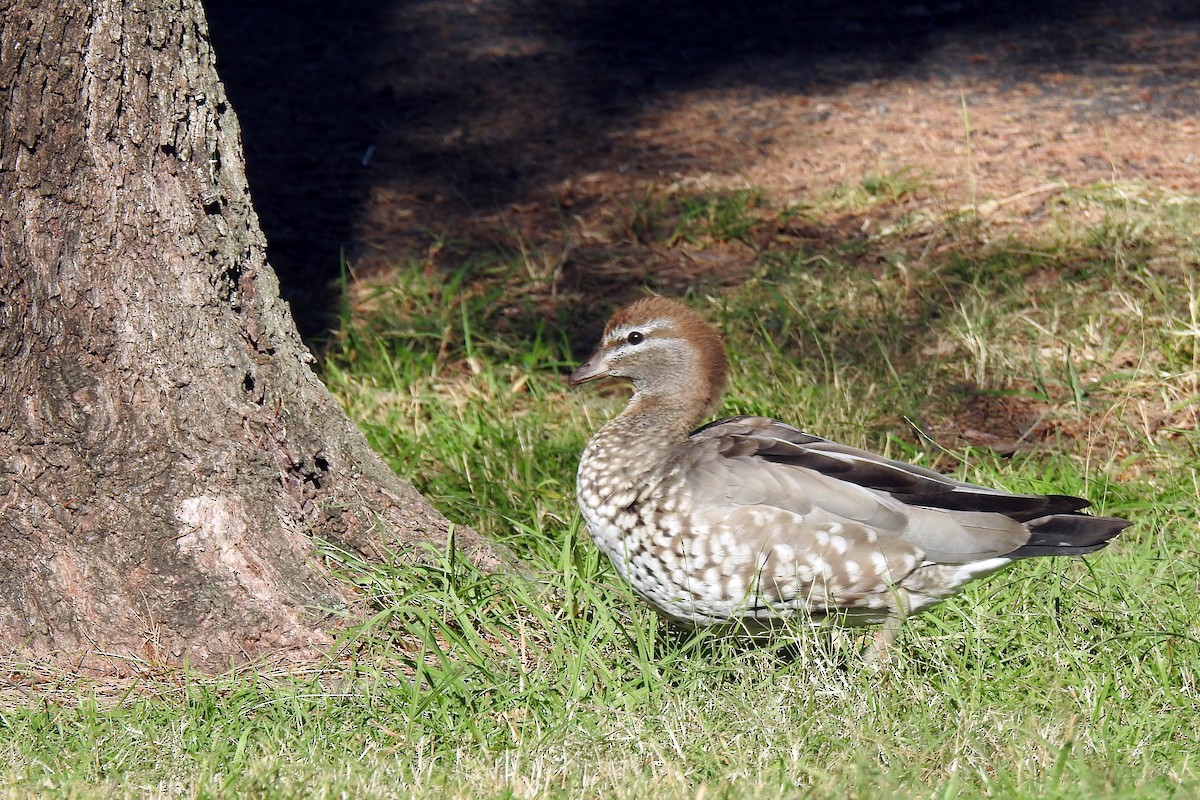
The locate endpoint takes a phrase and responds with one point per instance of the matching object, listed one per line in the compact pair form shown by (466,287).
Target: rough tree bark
(166,455)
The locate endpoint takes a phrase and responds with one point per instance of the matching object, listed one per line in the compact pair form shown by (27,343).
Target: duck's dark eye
(635,338)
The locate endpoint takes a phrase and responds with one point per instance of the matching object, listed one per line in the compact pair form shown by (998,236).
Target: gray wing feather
(910,484)
(759,461)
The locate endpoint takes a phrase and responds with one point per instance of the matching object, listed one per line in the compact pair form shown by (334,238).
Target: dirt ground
(438,128)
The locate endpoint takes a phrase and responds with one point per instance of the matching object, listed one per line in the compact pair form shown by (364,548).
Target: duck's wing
(778,443)
(755,461)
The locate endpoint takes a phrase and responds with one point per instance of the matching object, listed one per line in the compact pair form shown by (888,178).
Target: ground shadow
(383,130)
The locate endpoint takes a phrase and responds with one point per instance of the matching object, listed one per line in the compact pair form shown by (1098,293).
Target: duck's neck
(658,420)
(635,443)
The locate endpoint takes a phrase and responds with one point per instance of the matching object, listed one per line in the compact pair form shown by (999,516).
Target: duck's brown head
(666,350)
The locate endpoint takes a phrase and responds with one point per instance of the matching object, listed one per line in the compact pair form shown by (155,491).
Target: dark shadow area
(395,130)
(294,73)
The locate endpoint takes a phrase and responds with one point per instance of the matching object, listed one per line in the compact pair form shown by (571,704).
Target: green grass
(706,218)
(1057,678)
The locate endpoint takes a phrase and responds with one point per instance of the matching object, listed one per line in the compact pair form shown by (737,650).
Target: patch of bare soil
(437,129)
(978,109)
(390,130)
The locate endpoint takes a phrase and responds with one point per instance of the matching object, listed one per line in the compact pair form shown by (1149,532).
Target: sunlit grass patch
(1056,359)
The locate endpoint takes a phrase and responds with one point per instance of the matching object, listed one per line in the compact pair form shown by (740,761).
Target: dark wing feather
(1069,535)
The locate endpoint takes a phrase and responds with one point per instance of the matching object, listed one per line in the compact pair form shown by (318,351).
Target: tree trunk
(166,455)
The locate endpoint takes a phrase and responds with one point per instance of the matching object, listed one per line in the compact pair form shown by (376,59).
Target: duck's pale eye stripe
(621,333)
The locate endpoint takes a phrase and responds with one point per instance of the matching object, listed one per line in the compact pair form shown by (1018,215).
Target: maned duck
(748,521)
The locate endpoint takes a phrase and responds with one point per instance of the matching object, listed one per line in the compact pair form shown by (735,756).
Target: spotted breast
(748,521)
